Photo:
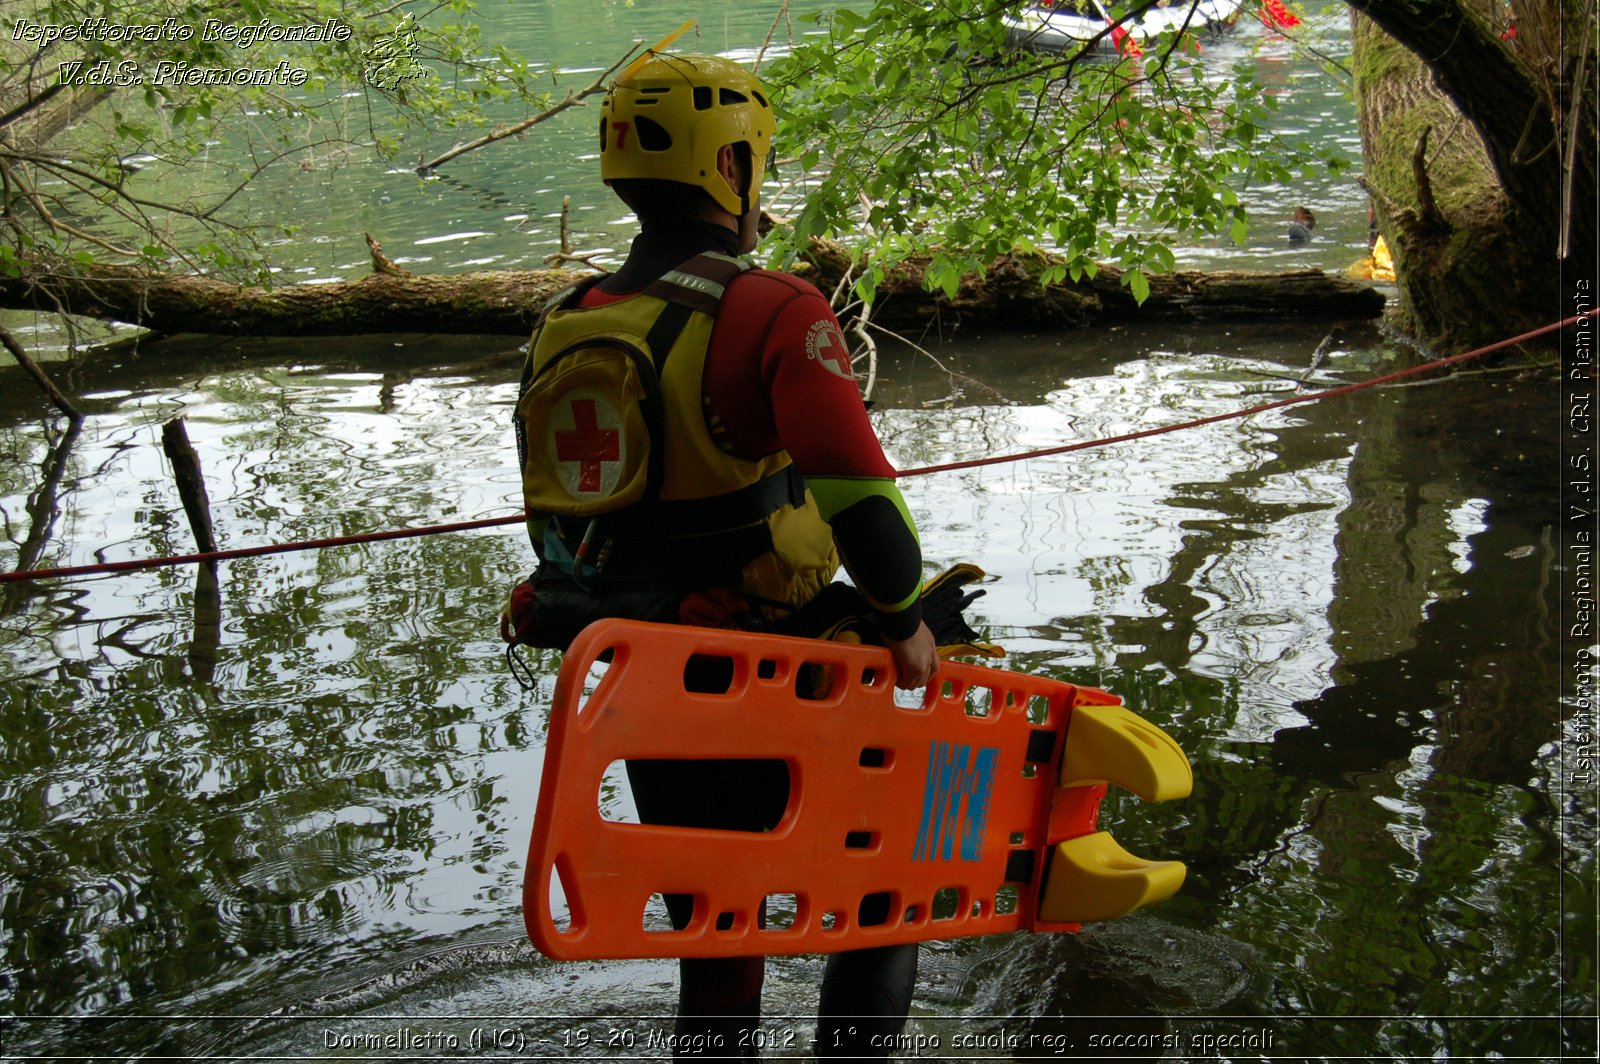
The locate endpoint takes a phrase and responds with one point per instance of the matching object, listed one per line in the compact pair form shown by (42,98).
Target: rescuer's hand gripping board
(969,814)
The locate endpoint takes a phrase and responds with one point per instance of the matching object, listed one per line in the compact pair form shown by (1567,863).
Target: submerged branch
(33,369)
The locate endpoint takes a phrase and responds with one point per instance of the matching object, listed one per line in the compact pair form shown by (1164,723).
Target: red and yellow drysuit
(771,472)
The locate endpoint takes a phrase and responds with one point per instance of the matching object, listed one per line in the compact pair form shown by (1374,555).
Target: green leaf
(866,288)
(1138,284)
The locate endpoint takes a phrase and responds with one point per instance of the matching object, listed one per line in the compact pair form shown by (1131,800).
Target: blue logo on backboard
(955,803)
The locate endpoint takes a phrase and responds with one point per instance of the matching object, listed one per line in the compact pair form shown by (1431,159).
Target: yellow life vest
(622,478)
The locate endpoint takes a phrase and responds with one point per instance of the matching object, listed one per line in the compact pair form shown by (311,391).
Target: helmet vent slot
(725,97)
(702,97)
(652,135)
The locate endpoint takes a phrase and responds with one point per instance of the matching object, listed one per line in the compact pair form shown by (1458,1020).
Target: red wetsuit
(778,378)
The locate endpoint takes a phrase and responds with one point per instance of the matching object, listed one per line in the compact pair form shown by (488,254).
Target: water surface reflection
(1343,611)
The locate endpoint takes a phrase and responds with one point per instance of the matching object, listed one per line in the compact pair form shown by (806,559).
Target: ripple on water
(300,888)
(455,989)
(1132,964)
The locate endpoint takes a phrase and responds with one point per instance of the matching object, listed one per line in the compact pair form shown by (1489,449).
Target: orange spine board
(945,811)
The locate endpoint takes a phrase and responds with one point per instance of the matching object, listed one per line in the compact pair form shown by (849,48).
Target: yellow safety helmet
(667,116)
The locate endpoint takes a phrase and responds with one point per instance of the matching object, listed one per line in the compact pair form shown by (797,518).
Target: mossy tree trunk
(1480,156)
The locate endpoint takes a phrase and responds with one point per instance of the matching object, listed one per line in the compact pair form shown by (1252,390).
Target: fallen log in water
(505,302)
(1009,295)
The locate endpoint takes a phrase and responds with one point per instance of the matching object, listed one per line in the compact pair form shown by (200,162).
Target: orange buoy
(969,813)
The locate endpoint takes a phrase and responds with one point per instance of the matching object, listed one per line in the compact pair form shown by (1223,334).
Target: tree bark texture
(506,302)
(1449,226)
(1517,96)
(1463,139)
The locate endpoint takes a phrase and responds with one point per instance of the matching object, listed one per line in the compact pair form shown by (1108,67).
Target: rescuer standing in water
(695,450)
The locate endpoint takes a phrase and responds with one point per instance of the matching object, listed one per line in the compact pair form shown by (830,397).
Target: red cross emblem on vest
(827,347)
(588,447)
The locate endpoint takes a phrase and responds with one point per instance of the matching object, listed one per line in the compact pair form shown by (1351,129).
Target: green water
(500,207)
(297,828)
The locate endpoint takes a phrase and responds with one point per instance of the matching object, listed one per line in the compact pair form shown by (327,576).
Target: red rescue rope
(1309,397)
(493,522)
